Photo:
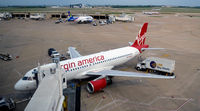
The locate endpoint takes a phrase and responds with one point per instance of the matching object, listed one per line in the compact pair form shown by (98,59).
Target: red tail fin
(140,39)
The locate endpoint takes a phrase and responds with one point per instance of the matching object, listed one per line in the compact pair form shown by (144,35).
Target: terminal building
(80,5)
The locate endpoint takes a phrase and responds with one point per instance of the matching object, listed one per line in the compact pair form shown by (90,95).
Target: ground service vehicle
(7,104)
(55,54)
(155,64)
(5,57)
(50,51)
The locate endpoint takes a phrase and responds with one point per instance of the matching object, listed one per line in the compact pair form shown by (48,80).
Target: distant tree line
(149,6)
(27,6)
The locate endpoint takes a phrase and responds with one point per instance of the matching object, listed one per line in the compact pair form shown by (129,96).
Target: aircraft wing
(73,52)
(105,73)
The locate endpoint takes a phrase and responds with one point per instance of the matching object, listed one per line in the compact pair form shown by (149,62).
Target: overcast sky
(102,2)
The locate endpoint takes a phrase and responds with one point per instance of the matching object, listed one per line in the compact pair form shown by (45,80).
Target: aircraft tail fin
(69,14)
(140,39)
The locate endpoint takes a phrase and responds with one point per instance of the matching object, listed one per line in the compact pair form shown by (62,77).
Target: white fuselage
(151,13)
(37,16)
(82,19)
(77,68)
(125,18)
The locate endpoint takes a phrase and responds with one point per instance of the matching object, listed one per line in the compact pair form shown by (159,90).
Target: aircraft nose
(18,85)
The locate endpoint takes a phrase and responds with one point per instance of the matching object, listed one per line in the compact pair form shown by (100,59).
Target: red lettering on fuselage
(90,60)
(69,65)
(82,62)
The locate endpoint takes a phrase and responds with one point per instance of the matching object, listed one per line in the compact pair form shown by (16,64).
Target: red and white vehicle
(97,65)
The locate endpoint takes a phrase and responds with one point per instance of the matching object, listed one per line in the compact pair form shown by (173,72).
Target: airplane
(97,65)
(37,16)
(125,18)
(151,13)
(80,19)
(5,16)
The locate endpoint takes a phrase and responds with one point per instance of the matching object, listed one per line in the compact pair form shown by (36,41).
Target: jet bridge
(47,97)
(49,94)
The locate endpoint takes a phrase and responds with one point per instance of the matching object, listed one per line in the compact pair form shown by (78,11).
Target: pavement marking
(18,73)
(158,98)
(6,86)
(190,82)
(110,96)
(23,100)
(183,104)
(95,109)
(110,104)
(184,99)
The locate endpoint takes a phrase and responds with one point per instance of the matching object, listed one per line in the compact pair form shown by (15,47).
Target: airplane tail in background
(70,17)
(140,39)
(69,14)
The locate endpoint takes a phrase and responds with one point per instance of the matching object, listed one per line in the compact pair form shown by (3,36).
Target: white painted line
(23,100)
(183,104)
(95,109)
(20,75)
(183,99)
(109,105)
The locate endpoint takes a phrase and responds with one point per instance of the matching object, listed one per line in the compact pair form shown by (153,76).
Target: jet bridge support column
(73,96)
(78,96)
(35,72)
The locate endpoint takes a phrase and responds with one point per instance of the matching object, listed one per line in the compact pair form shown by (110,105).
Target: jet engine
(97,85)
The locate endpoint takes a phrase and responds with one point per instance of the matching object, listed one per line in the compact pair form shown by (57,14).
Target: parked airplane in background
(84,19)
(37,16)
(5,16)
(124,18)
(151,13)
(80,19)
(97,65)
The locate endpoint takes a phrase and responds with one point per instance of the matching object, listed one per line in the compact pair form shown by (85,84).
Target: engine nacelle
(94,86)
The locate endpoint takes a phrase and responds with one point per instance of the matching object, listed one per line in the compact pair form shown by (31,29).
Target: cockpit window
(27,78)
(30,78)
(24,78)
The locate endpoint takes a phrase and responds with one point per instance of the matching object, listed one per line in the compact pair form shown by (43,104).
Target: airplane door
(64,81)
